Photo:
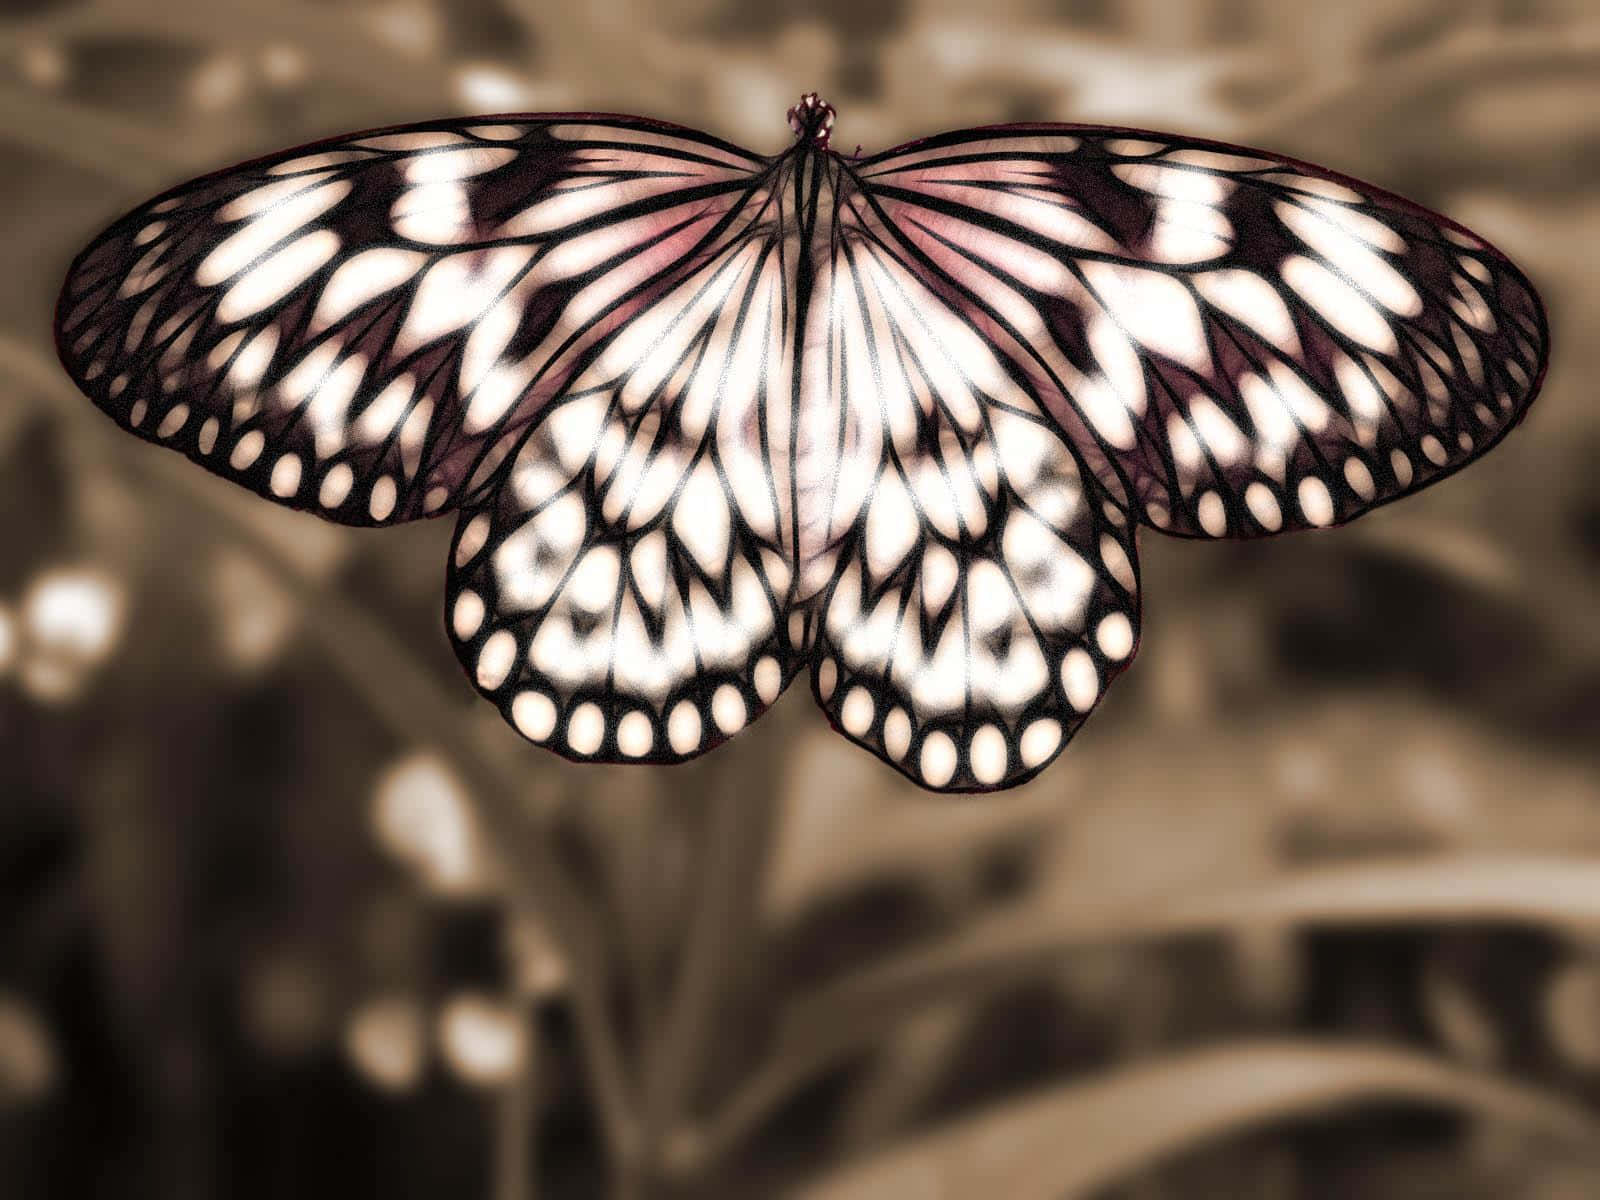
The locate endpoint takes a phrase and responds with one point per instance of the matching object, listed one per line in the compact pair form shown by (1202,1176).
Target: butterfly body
(713,420)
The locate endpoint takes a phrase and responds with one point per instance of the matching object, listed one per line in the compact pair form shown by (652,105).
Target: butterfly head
(812,120)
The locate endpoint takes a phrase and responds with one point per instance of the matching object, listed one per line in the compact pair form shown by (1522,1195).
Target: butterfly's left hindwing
(622,595)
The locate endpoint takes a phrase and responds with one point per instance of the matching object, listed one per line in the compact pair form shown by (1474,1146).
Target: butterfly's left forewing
(566,328)
(365,327)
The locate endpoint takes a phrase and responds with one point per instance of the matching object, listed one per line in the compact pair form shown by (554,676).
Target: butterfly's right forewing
(1237,343)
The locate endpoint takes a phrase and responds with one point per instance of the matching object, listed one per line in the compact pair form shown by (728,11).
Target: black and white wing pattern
(1238,343)
(710,420)
(364,327)
(562,326)
(980,594)
(622,595)
(1054,334)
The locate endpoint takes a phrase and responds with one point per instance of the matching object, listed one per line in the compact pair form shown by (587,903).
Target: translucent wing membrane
(622,595)
(981,597)
(1237,343)
(366,327)
(712,420)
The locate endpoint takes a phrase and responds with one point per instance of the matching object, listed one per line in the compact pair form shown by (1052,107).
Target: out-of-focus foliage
(1308,909)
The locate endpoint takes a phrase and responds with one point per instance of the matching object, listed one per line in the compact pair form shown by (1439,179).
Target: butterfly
(710,420)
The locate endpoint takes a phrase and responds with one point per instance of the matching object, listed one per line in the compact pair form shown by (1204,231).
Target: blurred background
(1310,909)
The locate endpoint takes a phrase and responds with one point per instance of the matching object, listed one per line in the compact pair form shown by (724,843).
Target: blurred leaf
(338,43)
(819,1028)
(1072,1140)
(849,823)
(913,1061)
(386,1041)
(1026,941)
(28,1058)
(115,146)
(1571,1010)
(1540,85)
(383,671)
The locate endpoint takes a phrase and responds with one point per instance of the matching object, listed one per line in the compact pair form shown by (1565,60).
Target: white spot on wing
(892,525)
(1114,635)
(586,728)
(701,518)
(1263,505)
(1315,501)
(286,475)
(534,715)
(938,759)
(271,280)
(635,736)
(247,449)
(683,727)
(768,678)
(1155,309)
(1251,300)
(1080,680)
(499,652)
(173,421)
(856,713)
(336,485)
(381,502)
(1221,436)
(1359,478)
(1338,303)
(1039,741)
(364,277)
(447,166)
(897,733)
(467,616)
(1401,466)
(988,754)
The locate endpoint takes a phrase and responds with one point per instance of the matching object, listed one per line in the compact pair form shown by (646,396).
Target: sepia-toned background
(1310,909)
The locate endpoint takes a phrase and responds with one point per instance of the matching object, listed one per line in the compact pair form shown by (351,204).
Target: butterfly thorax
(812,120)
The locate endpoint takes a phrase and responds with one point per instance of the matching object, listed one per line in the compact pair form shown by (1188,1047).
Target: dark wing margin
(1237,343)
(366,327)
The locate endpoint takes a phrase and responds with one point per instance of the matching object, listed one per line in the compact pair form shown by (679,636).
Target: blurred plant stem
(515,1115)
(736,834)
(1076,1139)
(381,669)
(737,830)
